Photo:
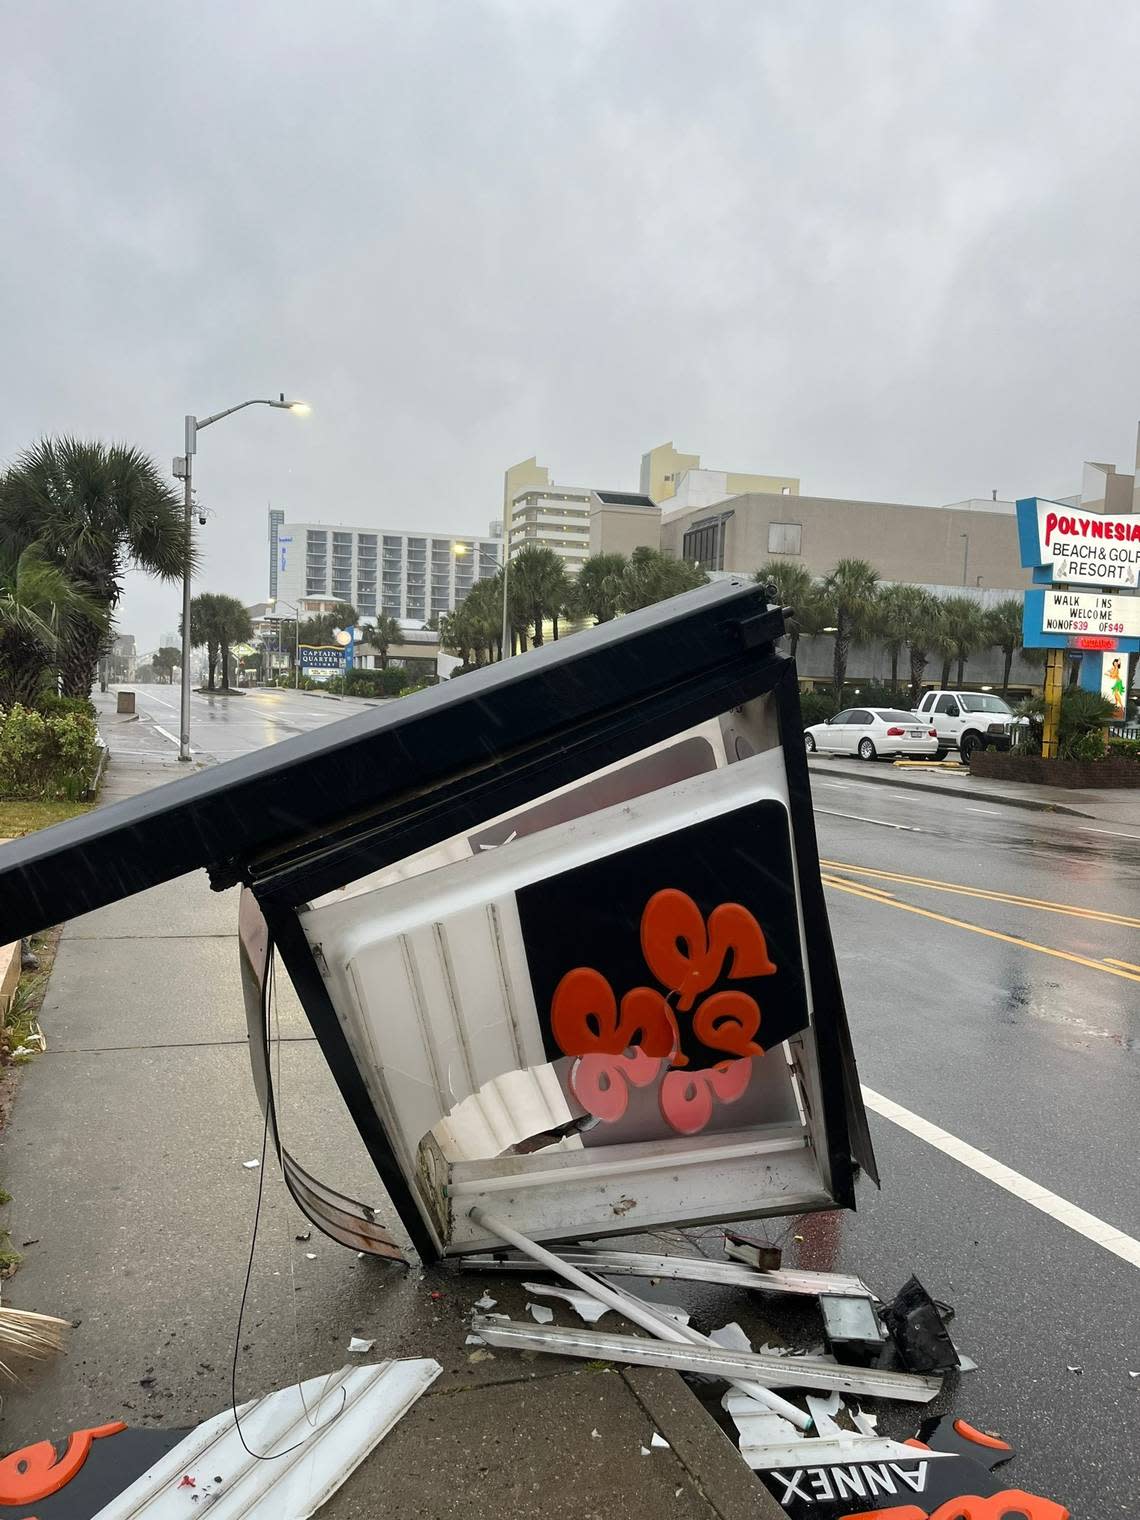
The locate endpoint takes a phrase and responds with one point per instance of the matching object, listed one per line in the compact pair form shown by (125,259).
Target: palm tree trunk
(225,643)
(839,666)
(537,630)
(946,664)
(523,645)
(917,666)
(554,626)
(961,668)
(79,657)
(22,671)
(1005,671)
(894,667)
(211,664)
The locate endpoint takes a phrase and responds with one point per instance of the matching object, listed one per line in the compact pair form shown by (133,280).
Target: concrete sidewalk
(1120,806)
(124,1157)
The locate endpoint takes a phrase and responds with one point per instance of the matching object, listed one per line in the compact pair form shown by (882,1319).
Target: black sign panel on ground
(629,808)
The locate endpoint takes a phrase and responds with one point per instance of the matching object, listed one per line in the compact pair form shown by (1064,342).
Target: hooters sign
(1065,543)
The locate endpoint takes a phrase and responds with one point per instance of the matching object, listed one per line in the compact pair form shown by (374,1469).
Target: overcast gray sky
(888,247)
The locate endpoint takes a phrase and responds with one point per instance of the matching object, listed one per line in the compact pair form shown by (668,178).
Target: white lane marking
(907,828)
(1116,834)
(990,812)
(167,735)
(150,697)
(1058,1208)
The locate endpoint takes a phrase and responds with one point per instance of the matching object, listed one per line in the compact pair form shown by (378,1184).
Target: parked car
(967,720)
(870,732)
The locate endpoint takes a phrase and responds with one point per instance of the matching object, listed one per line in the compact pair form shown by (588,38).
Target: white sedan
(872,731)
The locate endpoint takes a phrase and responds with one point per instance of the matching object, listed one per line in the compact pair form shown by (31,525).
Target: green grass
(18,818)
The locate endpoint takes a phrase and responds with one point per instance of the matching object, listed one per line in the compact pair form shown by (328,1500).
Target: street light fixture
(183,470)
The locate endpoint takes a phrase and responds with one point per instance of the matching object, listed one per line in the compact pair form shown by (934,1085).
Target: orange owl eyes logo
(618,1045)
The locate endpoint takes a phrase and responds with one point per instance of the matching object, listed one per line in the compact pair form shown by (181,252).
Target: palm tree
(649,577)
(204,630)
(233,627)
(386,631)
(1004,629)
(965,630)
(922,632)
(795,588)
(164,661)
(538,581)
(38,602)
(97,510)
(849,594)
(316,631)
(591,593)
(899,610)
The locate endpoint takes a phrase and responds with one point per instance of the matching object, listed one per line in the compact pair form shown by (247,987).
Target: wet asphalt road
(1027,1048)
(1004,1022)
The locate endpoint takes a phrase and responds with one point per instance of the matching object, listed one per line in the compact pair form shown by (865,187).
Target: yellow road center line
(1008,939)
(839,881)
(986,893)
(1128,965)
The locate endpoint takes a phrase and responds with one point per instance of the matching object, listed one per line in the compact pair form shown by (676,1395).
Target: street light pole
(508,644)
(184,467)
(276,602)
(965,557)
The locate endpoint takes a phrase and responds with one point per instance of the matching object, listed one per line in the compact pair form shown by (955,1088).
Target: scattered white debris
(486,1302)
(540,1313)
(1134,1374)
(823,1412)
(966,1363)
(595,1435)
(310,1256)
(866,1424)
(251,1166)
(645,1451)
(583,1304)
(677,1492)
(731,1337)
(660,1442)
(1077,1370)
(474,1340)
(356,1344)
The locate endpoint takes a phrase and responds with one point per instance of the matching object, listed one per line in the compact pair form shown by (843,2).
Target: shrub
(1086,745)
(45,758)
(1124,749)
(51,706)
(877,696)
(1082,712)
(816,707)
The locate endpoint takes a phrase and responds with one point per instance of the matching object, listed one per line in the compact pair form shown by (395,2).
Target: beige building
(663,469)
(971,543)
(622,521)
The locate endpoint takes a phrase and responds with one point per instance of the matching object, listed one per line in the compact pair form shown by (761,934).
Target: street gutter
(943,790)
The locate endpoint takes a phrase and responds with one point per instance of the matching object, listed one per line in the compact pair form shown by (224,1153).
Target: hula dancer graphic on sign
(1112,685)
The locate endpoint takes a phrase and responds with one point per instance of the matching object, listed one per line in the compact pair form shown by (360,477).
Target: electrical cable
(266,1004)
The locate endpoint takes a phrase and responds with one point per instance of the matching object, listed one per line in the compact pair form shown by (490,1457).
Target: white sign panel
(1087,547)
(1091,612)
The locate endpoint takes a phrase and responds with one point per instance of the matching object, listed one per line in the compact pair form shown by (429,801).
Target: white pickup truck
(967,721)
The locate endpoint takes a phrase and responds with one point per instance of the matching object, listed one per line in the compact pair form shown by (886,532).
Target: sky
(887,247)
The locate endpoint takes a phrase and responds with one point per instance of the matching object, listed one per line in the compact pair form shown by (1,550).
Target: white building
(381,571)
(553,517)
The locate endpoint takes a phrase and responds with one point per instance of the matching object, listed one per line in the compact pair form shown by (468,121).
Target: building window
(703,543)
(784,538)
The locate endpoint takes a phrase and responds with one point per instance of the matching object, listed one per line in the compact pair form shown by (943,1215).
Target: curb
(1031,803)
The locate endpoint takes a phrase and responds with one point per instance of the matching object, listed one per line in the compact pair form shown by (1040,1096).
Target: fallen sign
(558,927)
(281,1455)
